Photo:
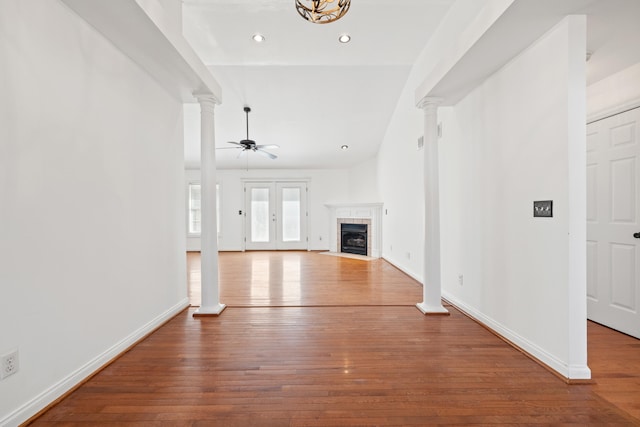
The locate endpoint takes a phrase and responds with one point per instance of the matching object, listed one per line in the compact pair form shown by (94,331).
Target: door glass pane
(259,215)
(291,214)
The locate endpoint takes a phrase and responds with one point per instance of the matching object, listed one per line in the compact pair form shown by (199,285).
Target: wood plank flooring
(614,359)
(344,354)
(295,278)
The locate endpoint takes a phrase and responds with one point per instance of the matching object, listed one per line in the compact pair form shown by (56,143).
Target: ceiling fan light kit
(322,11)
(249,144)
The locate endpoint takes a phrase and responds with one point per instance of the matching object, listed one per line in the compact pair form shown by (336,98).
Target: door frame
(274,182)
(603,295)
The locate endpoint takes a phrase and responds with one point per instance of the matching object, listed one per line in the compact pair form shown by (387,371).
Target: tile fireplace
(363,222)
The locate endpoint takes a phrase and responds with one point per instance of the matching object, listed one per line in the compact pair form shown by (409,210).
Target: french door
(613,222)
(276,215)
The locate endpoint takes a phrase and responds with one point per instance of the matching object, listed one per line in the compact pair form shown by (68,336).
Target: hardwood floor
(295,278)
(313,340)
(614,359)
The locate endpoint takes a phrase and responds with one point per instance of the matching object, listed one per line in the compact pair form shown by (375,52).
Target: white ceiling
(613,37)
(310,94)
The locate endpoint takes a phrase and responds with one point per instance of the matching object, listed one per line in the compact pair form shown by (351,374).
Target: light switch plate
(543,208)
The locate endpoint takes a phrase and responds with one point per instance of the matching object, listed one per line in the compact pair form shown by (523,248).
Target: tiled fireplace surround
(357,213)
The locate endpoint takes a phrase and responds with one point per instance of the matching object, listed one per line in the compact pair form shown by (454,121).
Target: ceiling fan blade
(250,145)
(269,155)
(228,148)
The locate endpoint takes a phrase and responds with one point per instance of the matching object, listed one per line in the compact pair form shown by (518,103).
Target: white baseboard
(573,372)
(57,390)
(404,270)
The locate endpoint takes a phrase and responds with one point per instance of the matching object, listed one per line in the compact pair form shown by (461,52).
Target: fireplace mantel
(370,211)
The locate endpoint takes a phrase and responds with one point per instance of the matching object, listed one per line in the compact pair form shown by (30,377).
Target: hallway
(319,341)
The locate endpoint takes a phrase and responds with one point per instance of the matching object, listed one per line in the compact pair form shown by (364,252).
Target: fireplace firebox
(353,238)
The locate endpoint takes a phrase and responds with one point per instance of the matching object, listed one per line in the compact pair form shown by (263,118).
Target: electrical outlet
(460,279)
(320,238)
(408,255)
(9,364)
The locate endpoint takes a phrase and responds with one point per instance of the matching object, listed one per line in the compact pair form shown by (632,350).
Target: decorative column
(431,287)
(209,286)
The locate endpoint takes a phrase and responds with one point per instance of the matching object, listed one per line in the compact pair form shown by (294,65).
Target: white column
(431,287)
(210,289)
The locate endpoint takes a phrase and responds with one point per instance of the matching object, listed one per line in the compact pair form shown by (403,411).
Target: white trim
(618,109)
(431,309)
(214,310)
(567,371)
(57,390)
(142,31)
(405,271)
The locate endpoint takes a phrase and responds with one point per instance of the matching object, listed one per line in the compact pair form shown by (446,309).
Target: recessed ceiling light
(258,38)
(344,147)
(344,38)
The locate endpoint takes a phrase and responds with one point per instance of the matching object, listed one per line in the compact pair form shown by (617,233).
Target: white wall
(400,163)
(614,94)
(363,182)
(325,186)
(400,169)
(520,137)
(91,202)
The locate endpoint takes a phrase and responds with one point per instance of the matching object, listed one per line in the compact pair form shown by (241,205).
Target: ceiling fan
(250,145)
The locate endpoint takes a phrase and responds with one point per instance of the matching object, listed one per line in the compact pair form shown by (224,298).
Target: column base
(431,310)
(214,311)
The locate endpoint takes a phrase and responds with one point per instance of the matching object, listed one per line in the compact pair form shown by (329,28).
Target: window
(195,213)
(195,208)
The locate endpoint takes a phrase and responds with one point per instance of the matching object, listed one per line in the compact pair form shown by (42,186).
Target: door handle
(636,235)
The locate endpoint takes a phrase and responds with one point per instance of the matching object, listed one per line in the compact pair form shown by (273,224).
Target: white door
(613,252)
(276,215)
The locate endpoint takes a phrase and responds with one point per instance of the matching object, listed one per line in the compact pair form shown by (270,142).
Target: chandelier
(322,11)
